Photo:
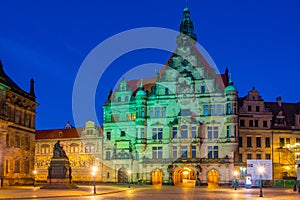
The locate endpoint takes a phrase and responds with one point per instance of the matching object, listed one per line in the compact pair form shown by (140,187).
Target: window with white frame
(157,152)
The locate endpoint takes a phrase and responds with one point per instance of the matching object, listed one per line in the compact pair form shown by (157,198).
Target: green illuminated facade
(179,127)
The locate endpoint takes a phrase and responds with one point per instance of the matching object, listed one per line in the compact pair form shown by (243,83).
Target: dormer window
(89,132)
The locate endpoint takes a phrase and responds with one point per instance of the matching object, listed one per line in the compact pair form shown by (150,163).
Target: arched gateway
(156,176)
(185,176)
(212,178)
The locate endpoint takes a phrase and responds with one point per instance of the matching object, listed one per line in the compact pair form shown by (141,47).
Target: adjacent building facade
(17,131)
(83,147)
(270,131)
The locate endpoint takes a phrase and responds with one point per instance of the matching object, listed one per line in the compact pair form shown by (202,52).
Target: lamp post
(128,174)
(261,170)
(34,182)
(235,174)
(94,170)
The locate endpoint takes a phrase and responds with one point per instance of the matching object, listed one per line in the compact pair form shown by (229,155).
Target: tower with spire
(175,123)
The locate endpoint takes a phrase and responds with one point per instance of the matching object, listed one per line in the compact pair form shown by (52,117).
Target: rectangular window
(174,132)
(216,152)
(288,141)
(123,134)
(202,89)
(205,110)
(212,132)
(258,156)
(89,148)
(128,116)
(249,142)
(249,108)
(26,166)
(194,152)
(6,167)
(265,124)
(251,123)
(167,90)
(240,157)
(17,166)
(268,156)
(242,123)
(240,142)
(184,131)
(228,109)
(7,140)
(268,143)
(108,135)
(213,152)
(143,133)
(256,123)
(219,109)
(194,131)
(17,141)
(157,112)
(258,142)
(107,155)
(184,152)
(27,143)
(163,113)
(89,132)
(249,156)
(209,132)
(151,112)
(156,133)
(209,152)
(298,140)
(212,110)
(281,140)
(174,152)
(119,99)
(126,98)
(133,116)
(257,108)
(228,131)
(157,152)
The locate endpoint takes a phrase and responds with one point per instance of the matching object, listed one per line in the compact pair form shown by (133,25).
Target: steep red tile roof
(55,133)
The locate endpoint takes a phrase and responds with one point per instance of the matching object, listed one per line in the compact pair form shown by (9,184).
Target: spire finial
(186,3)
(32,87)
(141,83)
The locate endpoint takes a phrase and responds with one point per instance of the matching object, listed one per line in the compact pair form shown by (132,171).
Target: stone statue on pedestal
(59,171)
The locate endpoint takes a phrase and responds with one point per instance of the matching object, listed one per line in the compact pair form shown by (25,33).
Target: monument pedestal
(59,174)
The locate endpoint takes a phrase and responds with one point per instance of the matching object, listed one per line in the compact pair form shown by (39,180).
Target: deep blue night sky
(48,40)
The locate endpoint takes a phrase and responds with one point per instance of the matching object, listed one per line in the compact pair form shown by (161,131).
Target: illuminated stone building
(271,131)
(83,147)
(179,127)
(17,131)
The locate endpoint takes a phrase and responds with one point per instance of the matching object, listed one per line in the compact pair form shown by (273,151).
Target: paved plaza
(146,192)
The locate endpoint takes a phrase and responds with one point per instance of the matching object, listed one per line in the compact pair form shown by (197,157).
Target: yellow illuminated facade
(17,132)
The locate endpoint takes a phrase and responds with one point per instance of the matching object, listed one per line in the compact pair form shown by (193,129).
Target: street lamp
(34,182)
(235,174)
(129,173)
(261,170)
(94,170)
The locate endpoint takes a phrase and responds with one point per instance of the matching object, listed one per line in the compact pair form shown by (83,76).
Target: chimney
(278,99)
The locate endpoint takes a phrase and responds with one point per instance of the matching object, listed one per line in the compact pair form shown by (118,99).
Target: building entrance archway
(156,177)
(122,175)
(185,176)
(212,178)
